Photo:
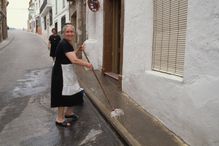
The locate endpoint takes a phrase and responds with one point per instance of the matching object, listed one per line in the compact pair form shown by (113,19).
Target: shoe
(74,117)
(63,124)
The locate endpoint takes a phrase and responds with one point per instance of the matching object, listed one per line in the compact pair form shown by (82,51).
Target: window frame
(169,36)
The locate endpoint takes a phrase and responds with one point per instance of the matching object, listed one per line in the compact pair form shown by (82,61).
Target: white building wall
(94,42)
(31,20)
(188,106)
(62,11)
(45,31)
(37,7)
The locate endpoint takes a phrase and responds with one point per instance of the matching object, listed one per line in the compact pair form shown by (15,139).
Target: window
(56,26)
(45,23)
(170,18)
(50,17)
(62,21)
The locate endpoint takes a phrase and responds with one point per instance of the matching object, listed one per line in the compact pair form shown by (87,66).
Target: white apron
(70,81)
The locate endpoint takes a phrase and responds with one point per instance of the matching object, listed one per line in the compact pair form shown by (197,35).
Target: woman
(65,90)
(53,42)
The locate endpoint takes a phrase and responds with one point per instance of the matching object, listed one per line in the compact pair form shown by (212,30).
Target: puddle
(34,82)
(91,137)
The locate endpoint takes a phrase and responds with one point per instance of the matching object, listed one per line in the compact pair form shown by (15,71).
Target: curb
(120,129)
(6,42)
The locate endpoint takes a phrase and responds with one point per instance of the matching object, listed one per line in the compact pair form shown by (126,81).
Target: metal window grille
(170,18)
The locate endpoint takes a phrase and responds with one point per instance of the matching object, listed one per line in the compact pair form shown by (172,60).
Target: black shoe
(74,117)
(63,124)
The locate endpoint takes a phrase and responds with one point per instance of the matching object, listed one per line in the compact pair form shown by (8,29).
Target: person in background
(54,39)
(65,89)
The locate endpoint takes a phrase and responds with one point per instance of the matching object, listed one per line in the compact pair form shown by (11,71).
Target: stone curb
(121,130)
(6,42)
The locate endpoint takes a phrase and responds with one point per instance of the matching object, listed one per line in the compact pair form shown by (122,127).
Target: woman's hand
(89,65)
(82,47)
(49,46)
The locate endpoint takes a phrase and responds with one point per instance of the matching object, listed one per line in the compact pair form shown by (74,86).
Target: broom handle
(99,81)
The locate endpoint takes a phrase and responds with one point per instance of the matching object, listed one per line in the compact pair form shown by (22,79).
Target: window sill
(165,76)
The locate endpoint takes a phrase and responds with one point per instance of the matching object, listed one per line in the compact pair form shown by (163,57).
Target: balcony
(45,7)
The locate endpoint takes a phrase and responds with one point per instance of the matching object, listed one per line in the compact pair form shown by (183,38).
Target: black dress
(57,82)
(54,40)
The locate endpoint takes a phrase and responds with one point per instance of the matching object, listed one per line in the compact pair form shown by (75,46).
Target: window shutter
(170,18)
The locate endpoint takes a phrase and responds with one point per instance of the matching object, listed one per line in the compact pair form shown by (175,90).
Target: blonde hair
(66,25)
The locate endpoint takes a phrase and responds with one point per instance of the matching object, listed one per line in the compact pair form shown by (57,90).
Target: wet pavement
(28,120)
(25,113)
(136,126)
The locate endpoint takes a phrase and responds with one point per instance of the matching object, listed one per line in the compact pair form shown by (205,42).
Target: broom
(116,112)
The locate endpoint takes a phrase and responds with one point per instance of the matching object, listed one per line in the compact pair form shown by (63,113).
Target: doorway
(113,38)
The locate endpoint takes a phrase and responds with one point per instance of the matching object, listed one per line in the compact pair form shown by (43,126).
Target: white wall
(62,11)
(188,106)
(45,32)
(94,42)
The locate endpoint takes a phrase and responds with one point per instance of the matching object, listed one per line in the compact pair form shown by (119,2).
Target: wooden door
(113,38)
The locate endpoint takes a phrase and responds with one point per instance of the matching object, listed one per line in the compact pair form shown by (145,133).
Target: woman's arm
(49,45)
(81,48)
(49,42)
(75,60)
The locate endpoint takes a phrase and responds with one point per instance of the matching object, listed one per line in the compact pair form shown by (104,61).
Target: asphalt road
(25,113)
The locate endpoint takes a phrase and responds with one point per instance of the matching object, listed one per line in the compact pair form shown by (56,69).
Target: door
(113,38)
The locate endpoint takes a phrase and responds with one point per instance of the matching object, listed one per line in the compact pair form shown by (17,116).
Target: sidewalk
(6,42)
(136,127)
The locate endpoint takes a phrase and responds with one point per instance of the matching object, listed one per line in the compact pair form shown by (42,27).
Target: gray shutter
(170,19)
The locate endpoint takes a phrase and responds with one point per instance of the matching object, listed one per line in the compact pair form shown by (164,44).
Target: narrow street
(25,113)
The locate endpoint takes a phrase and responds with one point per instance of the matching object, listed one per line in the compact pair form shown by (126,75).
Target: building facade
(60,14)
(77,14)
(46,17)
(47,14)
(31,17)
(165,54)
(53,14)
(3,20)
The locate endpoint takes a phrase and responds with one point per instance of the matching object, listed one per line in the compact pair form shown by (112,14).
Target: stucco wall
(94,42)
(56,18)
(60,13)
(188,106)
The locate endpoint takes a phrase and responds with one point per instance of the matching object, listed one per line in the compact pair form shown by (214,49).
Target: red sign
(93,5)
